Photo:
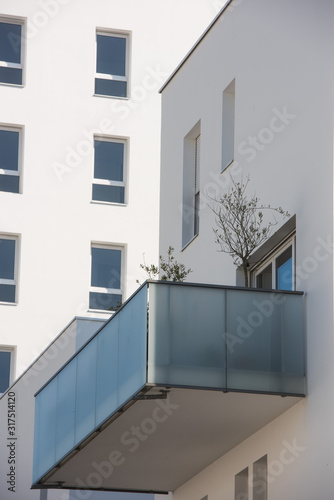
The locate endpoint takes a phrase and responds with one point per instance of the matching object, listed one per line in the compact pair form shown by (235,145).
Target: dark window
(9,161)
(10,53)
(111,66)
(108,183)
(7,270)
(105,290)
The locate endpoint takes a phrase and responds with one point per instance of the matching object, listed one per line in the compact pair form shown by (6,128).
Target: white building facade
(257,95)
(79,153)
(79,175)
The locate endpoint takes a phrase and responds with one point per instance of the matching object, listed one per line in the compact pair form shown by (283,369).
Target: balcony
(180,375)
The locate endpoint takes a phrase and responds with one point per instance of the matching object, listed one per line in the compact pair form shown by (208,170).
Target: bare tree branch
(241,226)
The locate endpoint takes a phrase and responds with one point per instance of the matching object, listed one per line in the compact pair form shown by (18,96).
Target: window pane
(111,53)
(7,293)
(9,183)
(9,150)
(11,75)
(108,160)
(264,279)
(10,42)
(260,486)
(106,268)
(4,370)
(284,270)
(7,259)
(105,301)
(114,194)
(110,87)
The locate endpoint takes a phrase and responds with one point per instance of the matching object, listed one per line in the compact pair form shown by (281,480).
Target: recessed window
(8,269)
(6,367)
(191,185)
(260,481)
(241,485)
(109,162)
(106,278)
(197,146)
(11,49)
(277,270)
(228,125)
(10,160)
(111,64)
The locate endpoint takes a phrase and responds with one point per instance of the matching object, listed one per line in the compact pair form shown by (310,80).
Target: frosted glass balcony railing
(174,335)
(234,339)
(100,378)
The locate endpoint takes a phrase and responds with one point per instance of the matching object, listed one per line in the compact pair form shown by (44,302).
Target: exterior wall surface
(280,55)
(54,216)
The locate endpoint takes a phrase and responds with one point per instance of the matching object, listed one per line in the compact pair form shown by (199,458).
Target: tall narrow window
(260,484)
(197,146)
(11,51)
(106,278)
(228,125)
(241,485)
(109,162)
(8,269)
(191,185)
(10,139)
(111,64)
(6,367)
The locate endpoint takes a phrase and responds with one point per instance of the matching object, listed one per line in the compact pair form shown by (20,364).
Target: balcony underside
(226,356)
(157,445)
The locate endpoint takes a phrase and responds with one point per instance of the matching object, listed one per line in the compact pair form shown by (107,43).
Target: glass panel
(106,268)
(293,365)
(5,357)
(9,150)
(7,293)
(108,160)
(260,486)
(105,301)
(265,279)
(45,428)
(10,42)
(65,409)
(107,368)
(112,194)
(196,222)
(110,87)
(241,485)
(132,346)
(85,391)
(186,336)
(254,357)
(284,270)
(11,75)
(111,54)
(7,259)
(9,183)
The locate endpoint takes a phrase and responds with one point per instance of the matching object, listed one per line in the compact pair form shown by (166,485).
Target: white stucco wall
(54,215)
(280,54)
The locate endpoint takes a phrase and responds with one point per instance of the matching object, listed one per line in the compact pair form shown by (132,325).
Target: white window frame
(197,169)
(228,126)
(14,173)
(21,65)
(110,291)
(16,259)
(12,350)
(106,76)
(191,185)
(271,259)
(106,182)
